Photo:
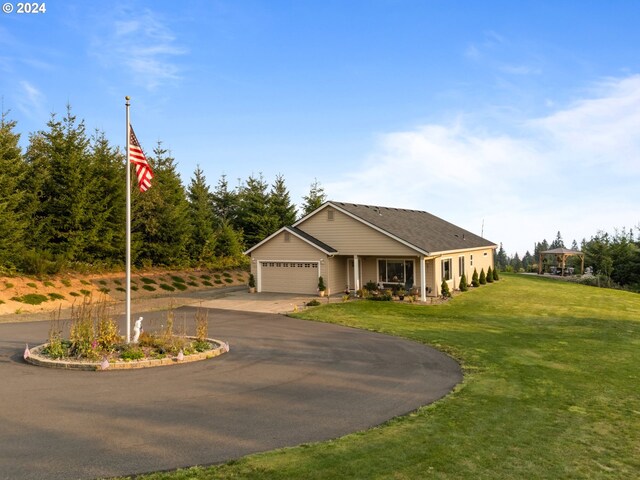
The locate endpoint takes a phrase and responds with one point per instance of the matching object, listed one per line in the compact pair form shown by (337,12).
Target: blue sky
(522,116)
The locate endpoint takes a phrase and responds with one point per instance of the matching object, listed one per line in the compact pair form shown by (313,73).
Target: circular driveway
(284,382)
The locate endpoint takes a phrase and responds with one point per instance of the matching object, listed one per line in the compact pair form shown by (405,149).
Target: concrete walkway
(284,382)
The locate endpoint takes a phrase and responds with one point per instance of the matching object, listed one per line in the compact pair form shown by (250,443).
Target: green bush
(66,282)
(132,352)
(32,285)
(313,303)
(489,275)
(483,277)
(385,297)
(371,286)
(180,286)
(31,299)
(444,289)
(205,277)
(149,288)
(193,284)
(463,283)
(252,281)
(166,287)
(56,296)
(47,283)
(147,280)
(228,279)
(207,283)
(74,294)
(177,279)
(84,292)
(495,274)
(474,279)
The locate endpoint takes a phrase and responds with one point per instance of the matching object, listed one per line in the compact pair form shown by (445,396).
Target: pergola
(561,255)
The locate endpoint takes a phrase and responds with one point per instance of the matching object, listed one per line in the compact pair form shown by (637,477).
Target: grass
(550,391)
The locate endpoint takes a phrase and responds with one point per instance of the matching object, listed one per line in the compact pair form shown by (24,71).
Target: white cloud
(145,47)
(575,171)
(31,101)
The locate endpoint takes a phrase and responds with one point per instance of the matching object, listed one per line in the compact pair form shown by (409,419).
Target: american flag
(143,169)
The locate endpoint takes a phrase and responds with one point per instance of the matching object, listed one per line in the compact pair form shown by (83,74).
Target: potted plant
(321,286)
(252,283)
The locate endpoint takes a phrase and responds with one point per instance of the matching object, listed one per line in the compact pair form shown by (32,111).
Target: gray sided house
(350,244)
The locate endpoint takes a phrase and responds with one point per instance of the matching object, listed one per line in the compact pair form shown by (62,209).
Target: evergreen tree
(501,260)
(61,174)
(255,219)
(557,243)
(516,264)
(463,283)
(474,278)
(280,205)
(495,274)
(490,275)
(483,277)
(225,203)
(12,172)
(527,262)
(107,204)
(160,223)
(228,242)
(444,289)
(315,198)
(200,217)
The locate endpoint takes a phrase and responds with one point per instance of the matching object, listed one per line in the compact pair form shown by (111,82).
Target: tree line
(62,206)
(614,259)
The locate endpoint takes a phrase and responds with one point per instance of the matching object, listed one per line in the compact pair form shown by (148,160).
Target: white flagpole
(128,236)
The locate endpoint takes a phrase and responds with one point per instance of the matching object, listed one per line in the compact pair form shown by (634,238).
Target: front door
(350,278)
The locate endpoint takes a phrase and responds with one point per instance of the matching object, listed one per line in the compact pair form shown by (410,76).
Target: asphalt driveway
(285,382)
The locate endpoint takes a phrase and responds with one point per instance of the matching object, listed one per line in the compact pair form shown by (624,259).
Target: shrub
(177,279)
(226,274)
(202,325)
(371,286)
(31,299)
(74,294)
(193,284)
(385,297)
(228,279)
(489,275)
(313,303)
(122,289)
(32,285)
(218,282)
(444,289)
(180,286)
(104,290)
(85,282)
(252,281)
(8,285)
(205,277)
(474,279)
(66,282)
(166,287)
(483,277)
(207,283)
(495,274)
(56,296)
(131,352)
(47,283)
(147,280)
(102,282)
(84,292)
(149,288)
(463,283)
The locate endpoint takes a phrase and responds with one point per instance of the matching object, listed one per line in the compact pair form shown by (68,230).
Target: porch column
(356,272)
(423,280)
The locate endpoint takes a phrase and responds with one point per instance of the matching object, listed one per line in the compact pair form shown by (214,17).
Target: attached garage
(288,277)
(290,261)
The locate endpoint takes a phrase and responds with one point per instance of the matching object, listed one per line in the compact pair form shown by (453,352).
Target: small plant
(85,282)
(32,285)
(149,288)
(74,294)
(321,286)
(8,285)
(371,286)
(66,282)
(147,280)
(207,283)
(483,277)
(489,275)
(495,274)
(205,277)
(216,276)
(444,289)
(193,284)
(31,299)
(102,282)
(131,352)
(117,282)
(177,279)
(56,296)
(135,288)
(228,279)
(122,289)
(474,279)
(226,275)
(463,283)
(166,287)
(313,303)
(385,297)
(180,286)
(84,292)
(104,290)
(217,281)
(47,283)
(202,324)
(345,298)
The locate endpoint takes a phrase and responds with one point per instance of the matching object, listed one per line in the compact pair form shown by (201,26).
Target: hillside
(31,295)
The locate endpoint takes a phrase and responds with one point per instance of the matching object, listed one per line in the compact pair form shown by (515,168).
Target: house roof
(562,251)
(304,236)
(423,230)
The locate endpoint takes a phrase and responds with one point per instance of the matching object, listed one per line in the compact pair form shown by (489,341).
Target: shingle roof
(310,239)
(421,229)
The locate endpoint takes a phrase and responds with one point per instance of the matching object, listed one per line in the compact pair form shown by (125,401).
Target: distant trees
(62,205)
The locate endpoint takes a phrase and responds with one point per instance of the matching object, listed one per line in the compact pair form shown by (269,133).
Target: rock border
(34,357)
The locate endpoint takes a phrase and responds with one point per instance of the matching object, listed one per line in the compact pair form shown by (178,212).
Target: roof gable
(314,242)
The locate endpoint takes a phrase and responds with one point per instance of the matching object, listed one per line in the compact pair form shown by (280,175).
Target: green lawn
(551,391)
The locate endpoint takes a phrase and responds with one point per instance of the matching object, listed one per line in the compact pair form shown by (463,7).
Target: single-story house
(351,244)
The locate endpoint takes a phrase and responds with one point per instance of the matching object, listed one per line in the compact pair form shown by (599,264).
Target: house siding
(351,237)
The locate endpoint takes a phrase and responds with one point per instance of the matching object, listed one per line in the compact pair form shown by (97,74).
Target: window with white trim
(461,265)
(395,270)
(471,260)
(447,273)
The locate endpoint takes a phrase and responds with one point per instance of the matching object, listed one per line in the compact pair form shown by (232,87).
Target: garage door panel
(289,277)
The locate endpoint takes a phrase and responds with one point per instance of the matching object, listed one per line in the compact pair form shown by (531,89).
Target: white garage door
(289,277)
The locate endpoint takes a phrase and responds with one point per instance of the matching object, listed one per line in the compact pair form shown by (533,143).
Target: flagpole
(128,235)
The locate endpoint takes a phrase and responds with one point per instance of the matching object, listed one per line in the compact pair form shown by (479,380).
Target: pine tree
(557,243)
(280,205)
(228,242)
(255,219)
(495,274)
(501,260)
(200,217)
(12,172)
(315,198)
(474,279)
(483,277)
(225,203)
(463,283)
(62,177)
(160,223)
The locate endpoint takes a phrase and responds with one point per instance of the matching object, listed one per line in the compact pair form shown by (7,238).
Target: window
(395,271)
(461,265)
(330,215)
(287,237)
(471,260)
(446,269)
